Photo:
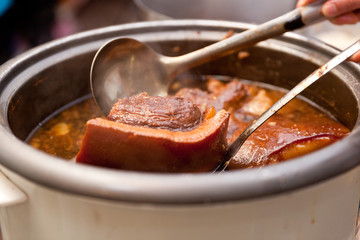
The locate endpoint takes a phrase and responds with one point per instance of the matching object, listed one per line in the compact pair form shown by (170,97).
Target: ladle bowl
(124,67)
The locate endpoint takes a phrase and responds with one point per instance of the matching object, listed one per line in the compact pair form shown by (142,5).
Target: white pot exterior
(325,211)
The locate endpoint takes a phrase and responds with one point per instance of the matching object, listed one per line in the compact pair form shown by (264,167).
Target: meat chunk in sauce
(218,95)
(297,129)
(172,113)
(157,136)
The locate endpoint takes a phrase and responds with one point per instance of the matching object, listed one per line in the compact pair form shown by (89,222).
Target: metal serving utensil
(313,77)
(124,66)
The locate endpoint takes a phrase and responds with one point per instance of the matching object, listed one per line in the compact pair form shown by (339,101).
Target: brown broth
(62,134)
(303,125)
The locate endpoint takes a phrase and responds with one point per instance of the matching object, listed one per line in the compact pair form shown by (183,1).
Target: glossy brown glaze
(123,146)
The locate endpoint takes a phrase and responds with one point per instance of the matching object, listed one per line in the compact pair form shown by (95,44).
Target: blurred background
(27,23)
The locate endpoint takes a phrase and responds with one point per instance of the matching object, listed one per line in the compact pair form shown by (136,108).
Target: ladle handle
(313,77)
(295,19)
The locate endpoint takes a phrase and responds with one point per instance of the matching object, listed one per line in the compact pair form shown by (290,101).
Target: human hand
(339,12)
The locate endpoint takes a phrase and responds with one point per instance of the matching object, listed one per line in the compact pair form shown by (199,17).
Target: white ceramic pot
(43,197)
(314,212)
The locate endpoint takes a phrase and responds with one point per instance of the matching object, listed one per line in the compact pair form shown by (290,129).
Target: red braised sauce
(298,129)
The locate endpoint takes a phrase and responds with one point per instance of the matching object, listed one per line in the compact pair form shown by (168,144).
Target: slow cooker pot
(43,197)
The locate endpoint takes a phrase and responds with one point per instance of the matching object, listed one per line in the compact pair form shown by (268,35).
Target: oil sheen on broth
(297,129)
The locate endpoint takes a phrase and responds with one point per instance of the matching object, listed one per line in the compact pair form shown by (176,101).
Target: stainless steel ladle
(124,66)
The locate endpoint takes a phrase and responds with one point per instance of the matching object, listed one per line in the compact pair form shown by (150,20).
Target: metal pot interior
(48,77)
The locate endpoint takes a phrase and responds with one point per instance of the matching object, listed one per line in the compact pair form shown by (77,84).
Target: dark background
(28,23)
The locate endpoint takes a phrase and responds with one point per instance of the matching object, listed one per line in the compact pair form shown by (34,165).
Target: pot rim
(130,186)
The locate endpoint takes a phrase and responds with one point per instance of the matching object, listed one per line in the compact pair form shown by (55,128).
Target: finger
(355,57)
(348,18)
(302,3)
(334,8)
